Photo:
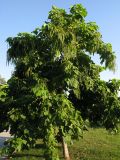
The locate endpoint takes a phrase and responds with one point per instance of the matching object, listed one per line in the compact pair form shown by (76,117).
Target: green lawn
(97,144)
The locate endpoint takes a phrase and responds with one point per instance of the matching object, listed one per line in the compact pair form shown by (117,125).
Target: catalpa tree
(54,81)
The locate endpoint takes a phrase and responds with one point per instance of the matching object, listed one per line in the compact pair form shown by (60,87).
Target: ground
(96,144)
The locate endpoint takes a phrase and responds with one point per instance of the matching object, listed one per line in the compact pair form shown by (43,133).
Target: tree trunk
(65,150)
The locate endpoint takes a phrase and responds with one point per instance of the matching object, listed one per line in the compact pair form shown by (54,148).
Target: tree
(53,76)
(2,80)
(101,106)
(3,108)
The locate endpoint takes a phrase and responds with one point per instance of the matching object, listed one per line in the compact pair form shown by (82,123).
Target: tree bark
(65,150)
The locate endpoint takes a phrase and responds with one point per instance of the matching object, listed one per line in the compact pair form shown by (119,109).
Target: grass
(97,144)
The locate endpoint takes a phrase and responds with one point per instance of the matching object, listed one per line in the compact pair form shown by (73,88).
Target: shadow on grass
(36,152)
(39,146)
(27,155)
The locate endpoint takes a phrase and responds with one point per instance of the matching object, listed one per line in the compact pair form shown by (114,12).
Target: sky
(26,15)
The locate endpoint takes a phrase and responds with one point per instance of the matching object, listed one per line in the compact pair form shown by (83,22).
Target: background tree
(3,107)
(2,80)
(54,77)
(3,113)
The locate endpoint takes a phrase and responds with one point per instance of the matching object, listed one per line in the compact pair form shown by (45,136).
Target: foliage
(102,107)
(54,76)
